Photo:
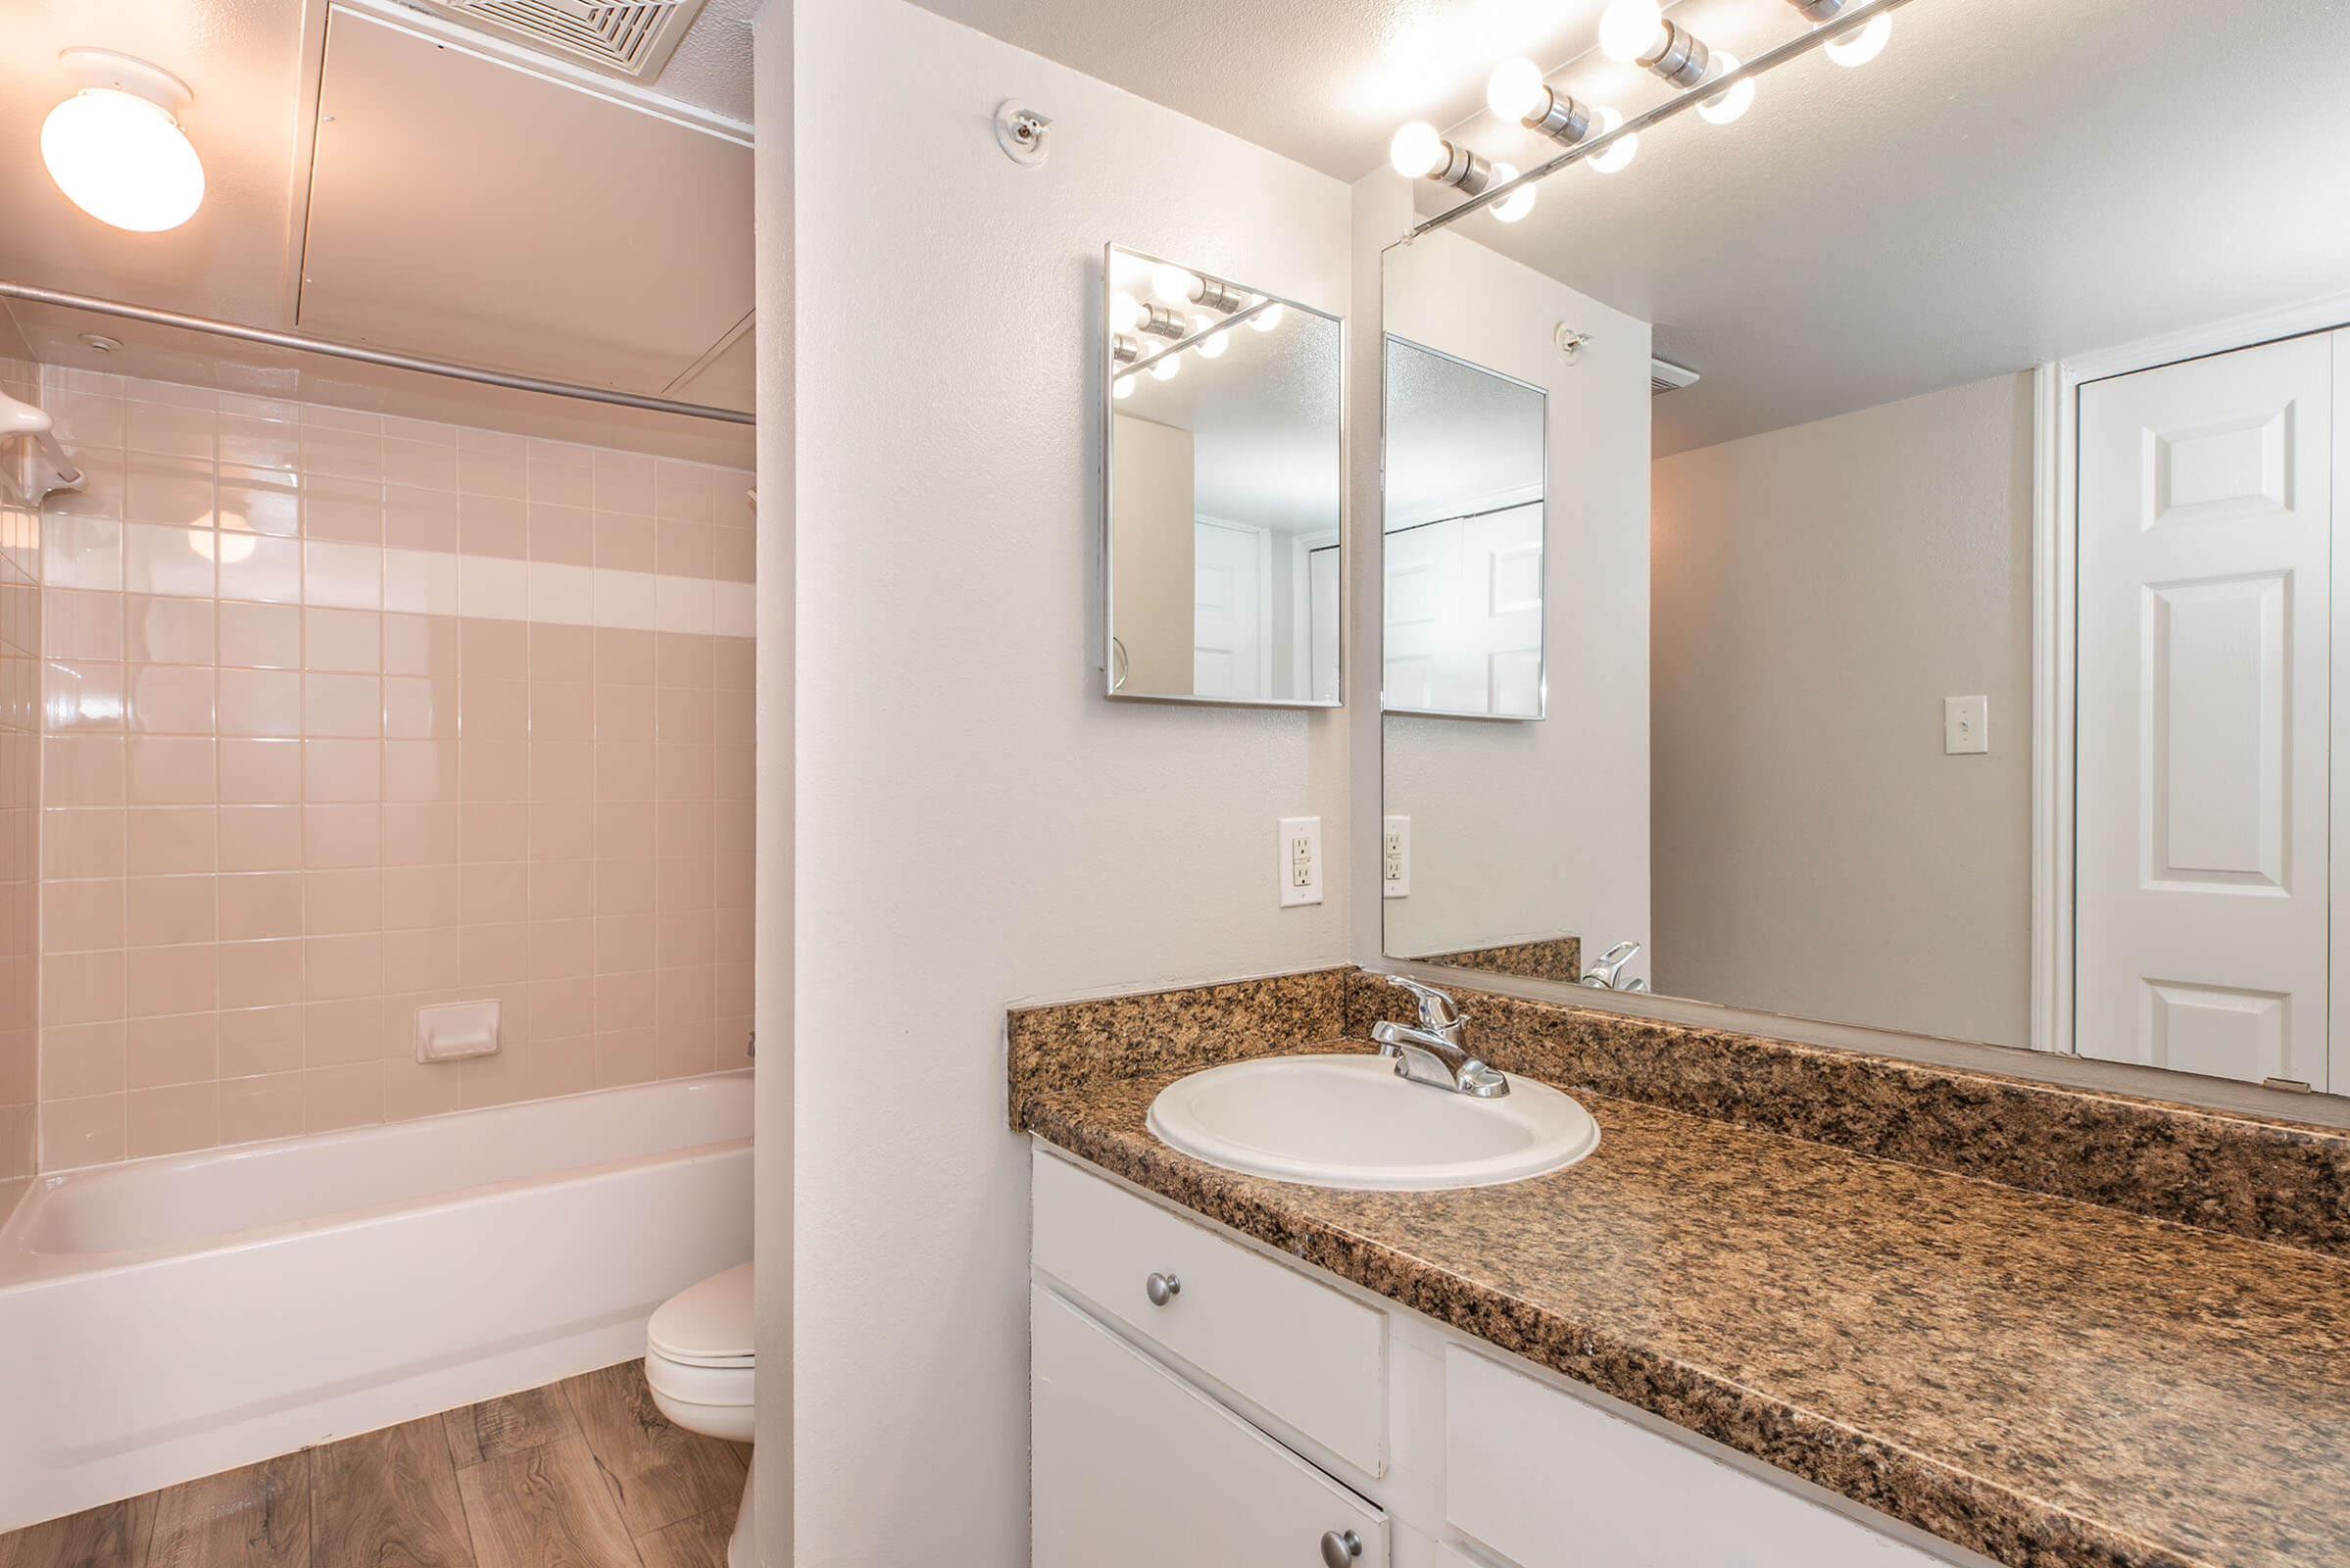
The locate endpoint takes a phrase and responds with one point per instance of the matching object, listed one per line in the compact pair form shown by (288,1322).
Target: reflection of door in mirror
(2204,738)
(1232,610)
(1152,546)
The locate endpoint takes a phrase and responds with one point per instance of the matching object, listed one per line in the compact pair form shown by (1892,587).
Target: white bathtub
(169,1318)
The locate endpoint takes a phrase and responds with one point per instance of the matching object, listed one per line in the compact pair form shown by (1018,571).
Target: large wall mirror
(1222,501)
(1942,590)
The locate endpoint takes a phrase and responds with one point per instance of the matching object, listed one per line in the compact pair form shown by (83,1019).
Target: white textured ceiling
(253,66)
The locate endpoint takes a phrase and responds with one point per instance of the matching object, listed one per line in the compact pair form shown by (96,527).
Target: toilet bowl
(700,1364)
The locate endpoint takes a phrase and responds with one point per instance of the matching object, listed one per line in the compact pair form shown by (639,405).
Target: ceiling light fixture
(1516,91)
(1518,202)
(1634,32)
(116,148)
(1619,154)
(1856,48)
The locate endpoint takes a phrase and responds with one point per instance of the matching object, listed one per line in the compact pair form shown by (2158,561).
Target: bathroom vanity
(1706,1343)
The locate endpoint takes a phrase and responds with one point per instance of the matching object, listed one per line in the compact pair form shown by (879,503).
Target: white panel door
(2206,503)
(1322,621)
(1231,611)
(1464,614)
(1131,1467)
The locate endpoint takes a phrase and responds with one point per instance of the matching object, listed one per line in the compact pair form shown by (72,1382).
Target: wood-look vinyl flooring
(584,1473)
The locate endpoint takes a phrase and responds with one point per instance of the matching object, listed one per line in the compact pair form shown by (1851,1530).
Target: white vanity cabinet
(1197,1399)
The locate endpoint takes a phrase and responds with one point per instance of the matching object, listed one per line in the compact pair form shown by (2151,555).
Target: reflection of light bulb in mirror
(1629,29)
(1518,202)
(1515,89)
(1416,150)
(1164,368)
(1267,318)
(1214,344)
(1125,312)
(1173,284)
(1861,47)
(234,542)
(1619,154)
(1725,107)
(1122,387)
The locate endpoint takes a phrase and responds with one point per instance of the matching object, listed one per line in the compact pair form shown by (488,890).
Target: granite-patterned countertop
(2044,1381)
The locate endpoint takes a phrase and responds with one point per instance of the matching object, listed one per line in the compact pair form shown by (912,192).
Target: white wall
(977,824)
(1528,830)
(1819,591)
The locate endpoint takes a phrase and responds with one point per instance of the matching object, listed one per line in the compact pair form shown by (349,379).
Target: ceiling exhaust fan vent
(1666,376)
(632,38)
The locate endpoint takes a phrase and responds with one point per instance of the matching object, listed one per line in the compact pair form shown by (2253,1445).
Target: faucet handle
(1436,1009)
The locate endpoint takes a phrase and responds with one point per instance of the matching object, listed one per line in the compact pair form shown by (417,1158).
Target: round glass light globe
(1212,345)
(1172,284)
(1122,387)
(1859,48)
(1725,107)
(122,160)
(1125,312)
(1620,155)
(1267,318)
(1416,150)
(1518,202)
(1629,29)
(1515,90)
(1163,369)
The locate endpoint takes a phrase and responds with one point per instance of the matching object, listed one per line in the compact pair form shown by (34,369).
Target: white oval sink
(1349,1121)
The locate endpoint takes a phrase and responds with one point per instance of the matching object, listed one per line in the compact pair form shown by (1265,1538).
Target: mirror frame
(1542,709)
(1110,371)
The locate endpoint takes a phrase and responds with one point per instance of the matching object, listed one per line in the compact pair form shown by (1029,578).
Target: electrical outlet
(1301,848)
(1394,859)
(1966,726)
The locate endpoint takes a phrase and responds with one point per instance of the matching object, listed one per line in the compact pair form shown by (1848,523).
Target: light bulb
(232,543)
(1416,151)
(1173,284)
(1267,318)
(1164,367)
(1125,312)
(1620,154)
(1518,202)
(1214,344)
(1861,47)
(1122,387)
(1725,107)
(1515,90)
(1630,29)
(122,160)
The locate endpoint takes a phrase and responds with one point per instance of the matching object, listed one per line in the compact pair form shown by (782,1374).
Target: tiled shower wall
(20,817)
(344,715)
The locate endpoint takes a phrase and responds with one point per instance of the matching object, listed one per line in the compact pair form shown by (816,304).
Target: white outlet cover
(1394,857)
(1299,866)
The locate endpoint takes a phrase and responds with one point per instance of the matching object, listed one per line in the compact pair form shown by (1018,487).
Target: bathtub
(169,1318)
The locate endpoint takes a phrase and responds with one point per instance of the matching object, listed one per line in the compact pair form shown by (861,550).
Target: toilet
(699,1363)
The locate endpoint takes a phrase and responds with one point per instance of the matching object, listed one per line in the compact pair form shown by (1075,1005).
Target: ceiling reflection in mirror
(1938,537)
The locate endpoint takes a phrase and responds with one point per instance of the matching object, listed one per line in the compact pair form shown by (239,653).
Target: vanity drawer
(1133,1466)
(1308,1355)
(1545,1479)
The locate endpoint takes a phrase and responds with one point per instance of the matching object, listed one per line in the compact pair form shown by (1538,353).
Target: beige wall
(345,714)
(20,814)
(1817,592)
(977,824)
(1151,552)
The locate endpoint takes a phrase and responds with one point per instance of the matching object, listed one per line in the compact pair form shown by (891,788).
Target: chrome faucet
(1608,973)
(1432,1052)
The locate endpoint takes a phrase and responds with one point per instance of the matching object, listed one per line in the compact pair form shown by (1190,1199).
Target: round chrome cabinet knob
(1162,1289)
(1341,1548)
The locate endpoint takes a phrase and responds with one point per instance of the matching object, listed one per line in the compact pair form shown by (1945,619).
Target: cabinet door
(1134,1467)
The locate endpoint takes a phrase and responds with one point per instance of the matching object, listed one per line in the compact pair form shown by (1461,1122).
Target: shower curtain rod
(346,351)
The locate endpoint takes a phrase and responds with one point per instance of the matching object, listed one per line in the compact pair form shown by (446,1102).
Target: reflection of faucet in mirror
(1432,1052)
(1608,973)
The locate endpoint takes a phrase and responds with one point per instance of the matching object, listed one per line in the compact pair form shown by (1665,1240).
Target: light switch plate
(1966,726)
(1300,868)
(1394,857)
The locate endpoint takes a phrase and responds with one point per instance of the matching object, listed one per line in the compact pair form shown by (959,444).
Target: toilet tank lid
(706,1322)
